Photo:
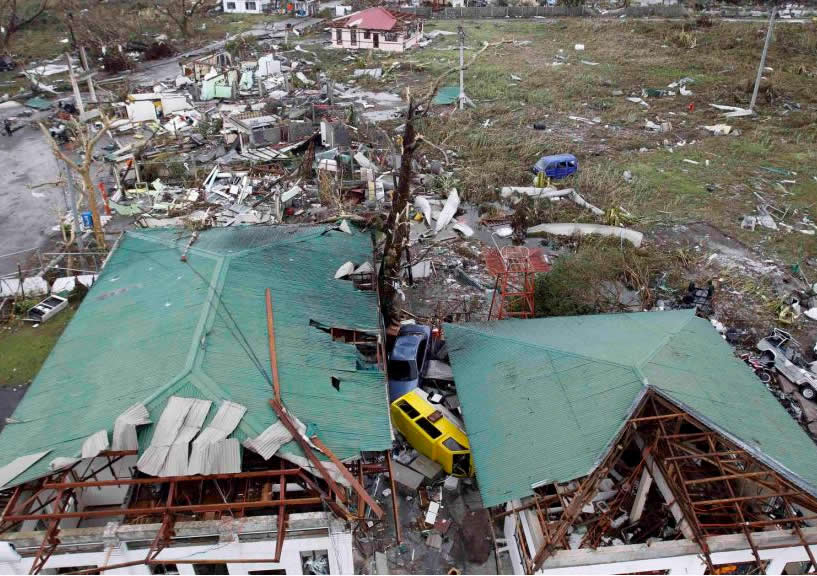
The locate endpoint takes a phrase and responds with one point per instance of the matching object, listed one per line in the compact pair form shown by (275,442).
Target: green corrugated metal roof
(153,326)
(543,399)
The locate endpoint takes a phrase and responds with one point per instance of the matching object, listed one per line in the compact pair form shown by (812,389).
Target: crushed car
(782,352)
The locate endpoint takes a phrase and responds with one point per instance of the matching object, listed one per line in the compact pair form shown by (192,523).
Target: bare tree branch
(181,13)
(11,20)
(88,143)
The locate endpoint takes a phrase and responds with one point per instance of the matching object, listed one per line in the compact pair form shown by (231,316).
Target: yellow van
(433,431)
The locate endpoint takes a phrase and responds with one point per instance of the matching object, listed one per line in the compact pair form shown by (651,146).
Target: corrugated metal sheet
(94,444)
(204,454)
(543,399)
(176,463)
(534,414)
(221,457)
(153,327)
(124,428)
(269,441)
(179,423)
(61,462)
(17,466)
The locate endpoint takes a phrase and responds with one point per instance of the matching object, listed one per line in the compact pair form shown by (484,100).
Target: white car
(783,352)
(46,309)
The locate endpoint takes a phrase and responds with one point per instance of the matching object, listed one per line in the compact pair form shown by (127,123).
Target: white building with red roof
(377,29)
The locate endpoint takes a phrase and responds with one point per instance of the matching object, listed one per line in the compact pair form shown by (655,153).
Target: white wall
(338,545)
(694,563)
(368,43)
(241,6)
(679,556)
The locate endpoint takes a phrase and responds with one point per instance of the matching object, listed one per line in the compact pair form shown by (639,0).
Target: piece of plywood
(407,477)
(426,466)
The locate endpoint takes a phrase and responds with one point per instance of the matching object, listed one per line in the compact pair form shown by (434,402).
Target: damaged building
(632,443)
(377,29)
(206,406)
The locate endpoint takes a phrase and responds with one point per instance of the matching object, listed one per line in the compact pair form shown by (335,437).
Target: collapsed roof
(543,400)
(169,343)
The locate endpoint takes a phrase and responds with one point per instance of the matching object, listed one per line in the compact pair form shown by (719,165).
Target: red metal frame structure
(515,269)
(251,490)
(717,486)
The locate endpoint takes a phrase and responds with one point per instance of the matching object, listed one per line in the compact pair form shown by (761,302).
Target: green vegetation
(24,348)
(603,275)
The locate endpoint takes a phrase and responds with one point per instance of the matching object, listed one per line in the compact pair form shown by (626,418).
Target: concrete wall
(778,547)
(115,544)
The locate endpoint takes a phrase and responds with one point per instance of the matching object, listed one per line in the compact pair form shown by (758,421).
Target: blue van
(408,359)
(557,166)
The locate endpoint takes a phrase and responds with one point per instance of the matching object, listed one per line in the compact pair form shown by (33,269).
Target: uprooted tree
(87,141)
(182,12)
(397,226)
(14,16)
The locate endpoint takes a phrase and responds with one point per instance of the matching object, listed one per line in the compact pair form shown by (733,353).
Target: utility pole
(461,34)
(75,86)
(462,99)
(763,57)
(83,58)
(92,91)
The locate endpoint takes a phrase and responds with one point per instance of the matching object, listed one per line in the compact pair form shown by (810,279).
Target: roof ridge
(662,344)
(218,276)
(294,240)
(170,243)
(542,347)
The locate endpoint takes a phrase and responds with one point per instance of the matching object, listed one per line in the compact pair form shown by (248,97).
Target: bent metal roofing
(544,399)
(153,327)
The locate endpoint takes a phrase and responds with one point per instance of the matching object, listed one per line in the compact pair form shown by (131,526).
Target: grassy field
(687,186)
(24,348)
(497,145)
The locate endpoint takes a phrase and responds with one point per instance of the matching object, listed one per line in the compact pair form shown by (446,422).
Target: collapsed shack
(632,443)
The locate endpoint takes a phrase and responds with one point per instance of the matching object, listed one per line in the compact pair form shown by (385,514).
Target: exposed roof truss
(703,485)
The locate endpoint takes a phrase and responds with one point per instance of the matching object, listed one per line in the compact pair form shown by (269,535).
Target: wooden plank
(273,358)
(310,454)
(349,477)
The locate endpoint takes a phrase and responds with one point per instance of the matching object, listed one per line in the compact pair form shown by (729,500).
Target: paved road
(26,215)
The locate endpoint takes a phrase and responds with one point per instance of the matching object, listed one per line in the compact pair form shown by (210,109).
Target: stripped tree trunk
(397,232)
